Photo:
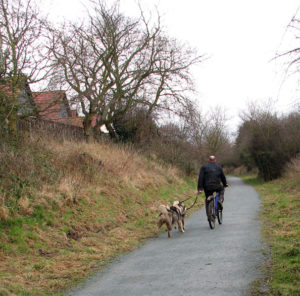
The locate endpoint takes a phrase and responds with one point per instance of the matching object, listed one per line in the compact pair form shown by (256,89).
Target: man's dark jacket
(210,177)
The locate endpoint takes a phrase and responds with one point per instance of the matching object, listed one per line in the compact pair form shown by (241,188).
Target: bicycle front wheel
(211,215)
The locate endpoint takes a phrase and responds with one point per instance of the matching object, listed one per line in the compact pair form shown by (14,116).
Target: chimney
(73,113)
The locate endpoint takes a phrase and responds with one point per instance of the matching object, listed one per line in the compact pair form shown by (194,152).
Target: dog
(172,216)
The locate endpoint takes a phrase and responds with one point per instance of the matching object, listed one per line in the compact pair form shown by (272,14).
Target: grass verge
(67,209)
(55,250)
(281,232)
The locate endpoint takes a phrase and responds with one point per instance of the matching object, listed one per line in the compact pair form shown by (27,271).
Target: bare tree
(293,54)
(196,124)
(21,59)
(290,56)
(114,63)
(216,135)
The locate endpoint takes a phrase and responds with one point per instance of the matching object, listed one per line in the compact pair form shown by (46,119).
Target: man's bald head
(212,158)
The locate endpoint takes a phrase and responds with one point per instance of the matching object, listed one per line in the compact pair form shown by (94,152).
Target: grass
(67,209)
(281,231)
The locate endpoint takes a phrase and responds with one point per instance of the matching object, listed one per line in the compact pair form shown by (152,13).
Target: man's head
(212,158)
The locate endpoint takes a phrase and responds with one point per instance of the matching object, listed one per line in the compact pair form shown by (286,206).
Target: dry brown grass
(91,203)
(4,213)
(293,168)
(121,162)
(24,206)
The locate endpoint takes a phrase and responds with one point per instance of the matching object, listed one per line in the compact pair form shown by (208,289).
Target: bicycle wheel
(220,214)
(211,214)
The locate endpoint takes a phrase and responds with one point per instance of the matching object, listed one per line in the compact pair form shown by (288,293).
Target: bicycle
(214,209)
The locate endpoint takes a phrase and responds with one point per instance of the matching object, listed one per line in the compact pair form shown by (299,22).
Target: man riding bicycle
(210,177)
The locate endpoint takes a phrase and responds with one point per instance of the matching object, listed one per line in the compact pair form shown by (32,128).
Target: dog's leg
(169,228)
(174,223)
(159,224)
(180,226)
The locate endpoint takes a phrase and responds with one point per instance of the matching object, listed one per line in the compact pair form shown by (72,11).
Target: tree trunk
(112,133)
(13,116)
(88,130)
(12,122)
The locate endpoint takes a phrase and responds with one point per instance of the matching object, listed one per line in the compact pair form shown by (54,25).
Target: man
(210,178)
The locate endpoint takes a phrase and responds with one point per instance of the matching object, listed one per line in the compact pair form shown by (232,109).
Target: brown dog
(171,216)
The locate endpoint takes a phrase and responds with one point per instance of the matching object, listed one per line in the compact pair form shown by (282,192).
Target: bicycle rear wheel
(220,215)
(211,214)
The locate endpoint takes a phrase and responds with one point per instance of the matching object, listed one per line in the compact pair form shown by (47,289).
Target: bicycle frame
(213,211)
(216,199)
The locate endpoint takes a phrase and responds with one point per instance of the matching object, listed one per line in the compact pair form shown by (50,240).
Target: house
(49,105)
(25,101)
(54,106)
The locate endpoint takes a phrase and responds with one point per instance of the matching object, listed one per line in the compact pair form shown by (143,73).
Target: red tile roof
(54,106)
(6,88)
(51,104)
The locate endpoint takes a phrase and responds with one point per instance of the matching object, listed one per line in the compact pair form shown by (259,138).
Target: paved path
(219,262)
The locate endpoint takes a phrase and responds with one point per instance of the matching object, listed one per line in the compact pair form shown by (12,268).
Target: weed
(292,252)
(23,248)
(39,265)
(5,247)
(140,223)
(16,234)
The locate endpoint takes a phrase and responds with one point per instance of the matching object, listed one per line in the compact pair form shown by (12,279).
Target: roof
(52,105)
(25,103)
(6,88)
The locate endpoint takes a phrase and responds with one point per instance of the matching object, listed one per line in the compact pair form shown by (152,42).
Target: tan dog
(171,216)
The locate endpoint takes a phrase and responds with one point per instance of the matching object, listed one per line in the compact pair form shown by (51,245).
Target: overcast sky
(240,37)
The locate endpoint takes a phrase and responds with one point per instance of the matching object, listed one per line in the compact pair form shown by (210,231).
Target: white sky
(240,37)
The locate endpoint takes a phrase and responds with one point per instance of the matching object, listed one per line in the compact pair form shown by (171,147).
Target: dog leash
(193,203)
(186,199)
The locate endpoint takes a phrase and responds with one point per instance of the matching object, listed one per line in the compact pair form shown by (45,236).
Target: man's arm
(223,178)
(201,179)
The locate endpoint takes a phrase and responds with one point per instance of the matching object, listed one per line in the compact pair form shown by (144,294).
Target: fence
(54,129)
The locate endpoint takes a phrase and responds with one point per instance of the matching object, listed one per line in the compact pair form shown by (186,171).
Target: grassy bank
(281,231)
(67,208)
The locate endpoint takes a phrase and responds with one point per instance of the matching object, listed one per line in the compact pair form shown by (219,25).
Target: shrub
(269,142)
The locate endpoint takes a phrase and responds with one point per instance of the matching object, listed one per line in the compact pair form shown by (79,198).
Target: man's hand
(199,192)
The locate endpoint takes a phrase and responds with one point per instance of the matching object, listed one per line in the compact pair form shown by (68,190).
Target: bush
(135,126)
(269,142)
